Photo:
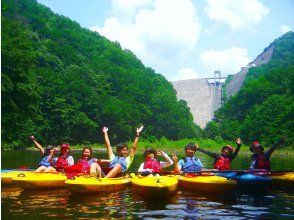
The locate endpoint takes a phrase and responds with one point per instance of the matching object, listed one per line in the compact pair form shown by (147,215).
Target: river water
(125,204)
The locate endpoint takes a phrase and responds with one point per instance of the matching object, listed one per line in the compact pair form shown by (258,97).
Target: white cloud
(228,61)
(284,29)
(185,73)
(238,14)
(160,33)
(127,9)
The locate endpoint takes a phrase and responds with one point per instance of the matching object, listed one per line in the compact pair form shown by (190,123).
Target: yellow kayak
(33,180)
(151,186)
(282,179)
(6,177)
(207,183)
(83,184)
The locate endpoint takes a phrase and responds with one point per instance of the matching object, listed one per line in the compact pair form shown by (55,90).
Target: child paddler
(64,159)
(47,155)
(152,164)
(87,165)
(121,162)
(261,159)
(189,163)
(223,161)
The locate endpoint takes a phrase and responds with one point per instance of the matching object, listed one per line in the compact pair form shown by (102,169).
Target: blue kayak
(247,178)
(11,170)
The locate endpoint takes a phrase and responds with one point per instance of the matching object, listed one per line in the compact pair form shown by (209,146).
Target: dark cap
(49,147)
(255,145)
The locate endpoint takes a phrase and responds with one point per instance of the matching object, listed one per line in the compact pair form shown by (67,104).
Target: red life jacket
(62,162)
(222,163)
(262,162)
(81,167)
(152,164)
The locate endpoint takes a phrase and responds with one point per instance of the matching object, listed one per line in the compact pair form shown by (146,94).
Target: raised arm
(238,142)
(37,145)
(51,156)
(177,168)
(135,143)
(168,161)
(274,147)
(211,154)
(107,142)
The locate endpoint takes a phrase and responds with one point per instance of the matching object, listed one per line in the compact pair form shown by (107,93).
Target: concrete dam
(203,96)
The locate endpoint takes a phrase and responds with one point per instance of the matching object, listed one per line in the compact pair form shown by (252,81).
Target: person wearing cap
(152,164)
(121,162)
(47,155)
(261,159)
(223,161)
(190,163)
(63,160)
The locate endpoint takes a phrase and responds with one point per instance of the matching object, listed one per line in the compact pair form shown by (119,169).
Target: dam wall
(202,97)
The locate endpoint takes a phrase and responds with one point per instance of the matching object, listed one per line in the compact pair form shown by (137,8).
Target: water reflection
(61,204)
(19,204)
(114,205)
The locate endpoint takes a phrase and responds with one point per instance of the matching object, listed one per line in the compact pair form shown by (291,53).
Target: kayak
(280,179)
(85,184)
(33,180)
(154,186)
(250,179)
(206,183)
(7,175)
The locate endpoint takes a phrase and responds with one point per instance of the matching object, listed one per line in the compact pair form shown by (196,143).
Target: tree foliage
(263,109)
(62,82)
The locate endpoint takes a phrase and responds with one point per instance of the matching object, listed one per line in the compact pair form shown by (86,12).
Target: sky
(185,39)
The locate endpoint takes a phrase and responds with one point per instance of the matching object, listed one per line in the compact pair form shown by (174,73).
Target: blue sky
(185,39)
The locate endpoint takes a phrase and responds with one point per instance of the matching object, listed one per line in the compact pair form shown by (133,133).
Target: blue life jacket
(45,161)
(191,164)
(119,160)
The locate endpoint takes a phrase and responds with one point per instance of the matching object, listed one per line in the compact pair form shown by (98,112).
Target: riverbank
(179,145)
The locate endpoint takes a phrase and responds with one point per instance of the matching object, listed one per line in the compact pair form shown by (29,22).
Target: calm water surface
(61,204)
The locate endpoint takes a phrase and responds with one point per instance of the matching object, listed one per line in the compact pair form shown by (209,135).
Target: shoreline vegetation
(177,146)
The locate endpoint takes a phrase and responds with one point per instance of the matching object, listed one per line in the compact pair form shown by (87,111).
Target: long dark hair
(91,152)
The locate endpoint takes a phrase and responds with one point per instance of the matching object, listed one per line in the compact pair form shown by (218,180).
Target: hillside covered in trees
(264,107)
(63,83)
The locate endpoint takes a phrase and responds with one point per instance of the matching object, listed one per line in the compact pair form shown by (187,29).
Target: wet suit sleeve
(271,150)
(232,157)
(211,154)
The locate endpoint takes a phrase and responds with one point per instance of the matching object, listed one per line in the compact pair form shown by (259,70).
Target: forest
(63,83)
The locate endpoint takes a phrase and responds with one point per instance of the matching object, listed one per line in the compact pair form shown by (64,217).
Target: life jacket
(85,166)
(119,160)
(45,161)
(81,167)
(152,164)
(222,163)
(262,162)
(62,162)
(191,164)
